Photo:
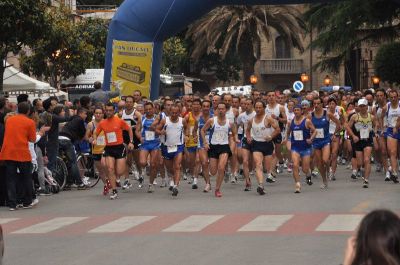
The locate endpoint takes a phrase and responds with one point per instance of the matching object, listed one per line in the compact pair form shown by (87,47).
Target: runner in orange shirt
(114,152)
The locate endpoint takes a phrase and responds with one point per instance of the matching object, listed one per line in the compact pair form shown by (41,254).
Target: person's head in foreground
(377,241)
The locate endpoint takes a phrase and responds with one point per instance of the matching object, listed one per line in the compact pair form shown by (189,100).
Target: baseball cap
(286,92)
(305,102)
(362,101)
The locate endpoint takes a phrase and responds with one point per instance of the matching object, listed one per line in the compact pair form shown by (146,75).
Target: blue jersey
(201,123)
(299,136)
(322,127)
(148,135)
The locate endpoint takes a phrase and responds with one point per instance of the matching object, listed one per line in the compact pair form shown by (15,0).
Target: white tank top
(275,110)
(242,121)
(332,124)
(220,133)
(130,119)
(174,132)
(230,115)
(392,115)
(259,131)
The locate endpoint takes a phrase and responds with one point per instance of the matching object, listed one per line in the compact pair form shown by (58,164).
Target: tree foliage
(63,51)
(241,29)
(22,23)
(345,25)
(387,63)
(175,55)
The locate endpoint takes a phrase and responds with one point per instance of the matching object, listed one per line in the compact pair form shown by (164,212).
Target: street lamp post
(327,80)
(253,79)
(375,81)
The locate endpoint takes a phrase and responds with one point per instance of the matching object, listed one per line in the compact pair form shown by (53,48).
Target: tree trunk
(248,61)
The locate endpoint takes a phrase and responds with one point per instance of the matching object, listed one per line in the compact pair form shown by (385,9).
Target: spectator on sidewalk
(377,241)
(19,131)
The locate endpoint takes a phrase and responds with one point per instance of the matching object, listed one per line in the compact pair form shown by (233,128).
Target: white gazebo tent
(16,82)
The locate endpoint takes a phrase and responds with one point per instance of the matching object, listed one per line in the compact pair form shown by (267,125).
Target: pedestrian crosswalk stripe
(266,223)
(122,224)
(340,223)
(50,225)
(194,223)
(7,220)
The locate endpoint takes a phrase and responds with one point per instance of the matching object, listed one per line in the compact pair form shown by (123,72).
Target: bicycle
(60,172)
(90,176)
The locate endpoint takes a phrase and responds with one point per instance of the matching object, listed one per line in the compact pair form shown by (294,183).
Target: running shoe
(114,195)
(12,209)
(29,206)
(67,187)
(387,178)
(270,179)
(359,173)
(163,183)
(260,190)
(324,186)
(82,186)
(297,187)
(194,184)
(127,185)
(344,161)
(309,181)
(285,165)
(290,168)
(35,202)
(218,194)
(365,184)
(171,184)
(155,182)
(150,189)
(248,187)
(330,175)
(141,181)
(353,176)
(234,179)
(190,181)
(394,178)
(175,191)
(207,188)
(118,182)
(314,173)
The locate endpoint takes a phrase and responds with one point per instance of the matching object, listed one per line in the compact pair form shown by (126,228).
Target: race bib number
(320,133)
(149,135)
(332,128)
(172,149)
(394,121)
(220,136)
(111,137)
(101,140)
(240,130)
(298,135)
(129,122)
(364,133)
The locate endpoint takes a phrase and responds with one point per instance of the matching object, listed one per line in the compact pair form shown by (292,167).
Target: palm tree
(243,28)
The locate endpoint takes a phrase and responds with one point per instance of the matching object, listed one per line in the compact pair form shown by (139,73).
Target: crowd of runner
(205,140)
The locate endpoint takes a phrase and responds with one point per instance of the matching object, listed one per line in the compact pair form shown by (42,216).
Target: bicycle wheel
(60,173)
(90,177)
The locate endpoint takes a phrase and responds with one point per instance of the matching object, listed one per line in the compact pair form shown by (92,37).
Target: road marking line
(194,223)
(361,207)
(50,225)
(340,223)
(122,224)
(266,223)
(7,220)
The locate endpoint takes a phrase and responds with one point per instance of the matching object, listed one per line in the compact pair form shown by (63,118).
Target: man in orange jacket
(19,131)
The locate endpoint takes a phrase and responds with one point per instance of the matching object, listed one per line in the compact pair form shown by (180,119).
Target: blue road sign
(298,86)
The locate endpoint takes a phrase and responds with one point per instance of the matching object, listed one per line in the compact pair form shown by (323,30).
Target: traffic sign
(298,86)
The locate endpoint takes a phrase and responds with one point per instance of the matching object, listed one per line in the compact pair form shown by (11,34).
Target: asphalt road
(84,227)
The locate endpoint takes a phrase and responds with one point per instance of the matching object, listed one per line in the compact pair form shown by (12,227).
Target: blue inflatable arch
(156,20)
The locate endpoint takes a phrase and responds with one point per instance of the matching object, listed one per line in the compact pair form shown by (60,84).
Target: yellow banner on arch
(131,67)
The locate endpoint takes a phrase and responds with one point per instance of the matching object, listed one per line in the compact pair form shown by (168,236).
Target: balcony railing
(281,66)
